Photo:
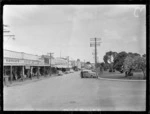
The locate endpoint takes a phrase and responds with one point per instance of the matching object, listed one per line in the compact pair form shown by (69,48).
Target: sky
(66,30)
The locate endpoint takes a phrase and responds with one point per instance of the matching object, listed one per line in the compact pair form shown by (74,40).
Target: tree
(109,59)
(105,58)
(115,54)
(136,62)
(140,63)
(88,63)
(78,59)
(144,55)
(136,54)
(133,54)
(98,65)
(129,65)
(102,64)
(119,60)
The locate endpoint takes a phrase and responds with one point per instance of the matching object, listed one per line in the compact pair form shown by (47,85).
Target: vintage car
(60,73)
(67,72)
(71,71)
(88,74)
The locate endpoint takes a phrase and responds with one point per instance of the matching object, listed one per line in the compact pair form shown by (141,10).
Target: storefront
(61,64)
(12,68)
(19,65)
(49,65)
(31,68)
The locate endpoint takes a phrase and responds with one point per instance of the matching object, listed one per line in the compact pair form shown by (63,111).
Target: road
(70,92)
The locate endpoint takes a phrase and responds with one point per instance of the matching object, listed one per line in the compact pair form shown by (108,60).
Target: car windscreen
(85,71)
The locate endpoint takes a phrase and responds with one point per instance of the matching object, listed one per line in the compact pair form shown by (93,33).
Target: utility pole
(60,53)
(50,62)
(7,31)
(95,44)
(68,62)
(7,35)
(95,54)
(84,63)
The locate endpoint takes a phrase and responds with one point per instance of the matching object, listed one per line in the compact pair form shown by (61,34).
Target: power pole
(50,62)
(68,62)
(95,44)
(7,31)
(7,35)
(60,53)
(95,54)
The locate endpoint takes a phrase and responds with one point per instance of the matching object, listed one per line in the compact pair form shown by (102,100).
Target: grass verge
(118,75)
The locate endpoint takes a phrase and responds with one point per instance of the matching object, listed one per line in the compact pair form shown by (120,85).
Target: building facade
(20,65)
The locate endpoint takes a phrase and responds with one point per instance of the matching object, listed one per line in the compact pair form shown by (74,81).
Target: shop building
(49,64)
(61,64)
(20,65)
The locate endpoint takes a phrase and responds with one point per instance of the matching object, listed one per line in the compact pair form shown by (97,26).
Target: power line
(6,25)
(6,31)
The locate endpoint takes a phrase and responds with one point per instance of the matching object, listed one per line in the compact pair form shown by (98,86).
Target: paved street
(71,92)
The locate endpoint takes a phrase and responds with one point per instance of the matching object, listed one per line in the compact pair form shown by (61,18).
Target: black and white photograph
(74,57)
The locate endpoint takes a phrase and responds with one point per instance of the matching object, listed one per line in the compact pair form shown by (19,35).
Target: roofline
(22,52)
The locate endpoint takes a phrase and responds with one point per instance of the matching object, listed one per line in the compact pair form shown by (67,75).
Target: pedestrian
(31,73)
(38,74)
(22,77)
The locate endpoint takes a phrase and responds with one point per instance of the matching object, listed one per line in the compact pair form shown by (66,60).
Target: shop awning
(61,66)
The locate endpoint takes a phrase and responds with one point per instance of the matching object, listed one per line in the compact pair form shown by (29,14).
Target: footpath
(28,80)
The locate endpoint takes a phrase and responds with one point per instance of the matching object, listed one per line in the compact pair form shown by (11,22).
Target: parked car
(66,72)
(93,70)
(60,73)
(88,74)
(71,71)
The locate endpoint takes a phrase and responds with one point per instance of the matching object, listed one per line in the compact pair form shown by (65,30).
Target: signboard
(93,44)
(46,60)
(93,39)
(60,61)
(27,67)
(31,62)
(12,61)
